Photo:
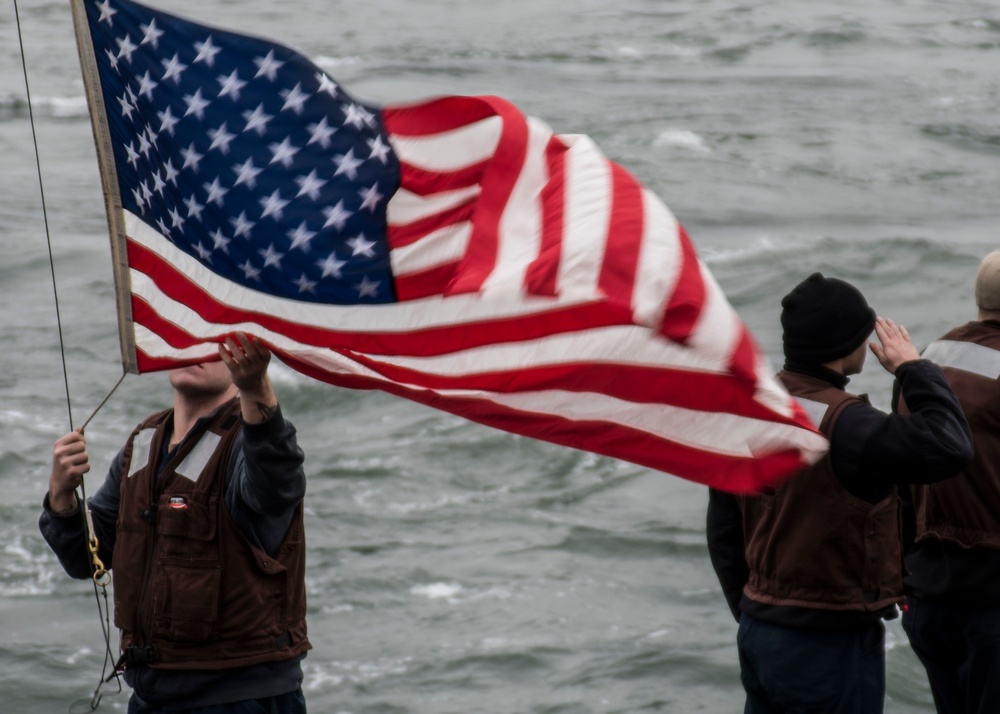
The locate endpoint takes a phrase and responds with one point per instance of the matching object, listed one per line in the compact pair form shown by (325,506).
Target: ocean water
(451,567)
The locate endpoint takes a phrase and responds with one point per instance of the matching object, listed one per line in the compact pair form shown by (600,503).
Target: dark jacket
(956,523)
(262,487)
(870,453)
(810,543)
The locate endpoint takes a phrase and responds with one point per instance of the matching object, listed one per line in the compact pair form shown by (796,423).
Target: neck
(820,371)
(988,315)
(189,408)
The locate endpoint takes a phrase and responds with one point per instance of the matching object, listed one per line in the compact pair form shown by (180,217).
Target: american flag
(454,252)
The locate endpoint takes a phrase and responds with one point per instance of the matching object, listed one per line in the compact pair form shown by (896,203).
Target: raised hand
(247,359)
(895,348)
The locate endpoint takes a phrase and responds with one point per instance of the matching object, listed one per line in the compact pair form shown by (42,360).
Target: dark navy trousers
(291,703)
(960,649)
(788,670)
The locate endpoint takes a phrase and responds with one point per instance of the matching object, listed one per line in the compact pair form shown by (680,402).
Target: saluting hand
(895,348)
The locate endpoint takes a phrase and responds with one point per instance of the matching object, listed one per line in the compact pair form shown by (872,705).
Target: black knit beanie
(824,319)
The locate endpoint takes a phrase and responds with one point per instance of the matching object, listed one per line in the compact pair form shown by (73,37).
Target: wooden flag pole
(109,185)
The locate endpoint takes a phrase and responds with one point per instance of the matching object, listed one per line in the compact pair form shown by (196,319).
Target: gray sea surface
(452,567)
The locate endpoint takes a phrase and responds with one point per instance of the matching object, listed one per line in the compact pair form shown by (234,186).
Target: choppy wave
(68,107)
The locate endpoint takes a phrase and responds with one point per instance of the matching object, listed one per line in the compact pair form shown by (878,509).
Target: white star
(152,34)
(158,183)
(370,198)
(172,69)
(215,192)
(380,150)
(167,121)
(106,12)
(144,144)
(347,164)
(273,205)
(170,171)
(140,200)
(220,241)
(326,84)
(176,219)
(203,252)
(221,138)
(267,66)
(231,85)
(241,225)
(366,116)
(191,157)
(249,271)
(126,48)
(336,216)
(133,155)
(294,98)
(331,266)
(246,173)
(196,105)
(112,58)
(127,106)
(283,152)
(146,193)
(271,256)
(310,185)
(301,237)
(354,115)
(367,288)
(206,52)
(257,120)
(321,133)
(305,285)
(361,246)
(163,227)
(194,208)
(146,86)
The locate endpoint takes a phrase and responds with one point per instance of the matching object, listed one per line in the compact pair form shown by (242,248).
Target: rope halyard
(101,576)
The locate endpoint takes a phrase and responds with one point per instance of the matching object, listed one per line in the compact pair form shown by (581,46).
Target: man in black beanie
(811,569)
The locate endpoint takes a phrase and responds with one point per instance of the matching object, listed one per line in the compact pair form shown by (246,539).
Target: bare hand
(895,348)
(247,359)
(69,463)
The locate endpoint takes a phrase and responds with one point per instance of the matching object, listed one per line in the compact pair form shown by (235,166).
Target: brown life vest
(191,591)
(811,543)
(966,509)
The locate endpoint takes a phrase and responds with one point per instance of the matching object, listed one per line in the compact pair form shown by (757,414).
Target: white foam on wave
(892,641)
(681,139)
(364,499)
(62,107)
(337,609)
(26,574)
(657,634)
(456,594)
(438,591)
(78,655)
(761,245)
(326,676)
(327,62)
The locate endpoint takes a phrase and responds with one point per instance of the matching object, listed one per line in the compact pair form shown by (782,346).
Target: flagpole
(109,185)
